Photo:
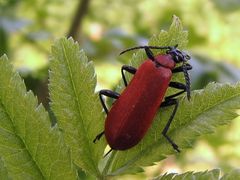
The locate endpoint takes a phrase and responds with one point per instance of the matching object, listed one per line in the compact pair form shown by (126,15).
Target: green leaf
(75,104)
(29,147)
(209,108)
(234,174)
(176,35)
(209,175)
(3,171)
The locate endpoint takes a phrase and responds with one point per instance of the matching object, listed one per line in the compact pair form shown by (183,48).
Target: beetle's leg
(98,137)
(184,68)
(107,93)
(108,153)
(180,68)
(170,102)
(176,85)
(129,69)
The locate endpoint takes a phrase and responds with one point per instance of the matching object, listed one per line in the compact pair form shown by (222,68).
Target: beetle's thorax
(165,60)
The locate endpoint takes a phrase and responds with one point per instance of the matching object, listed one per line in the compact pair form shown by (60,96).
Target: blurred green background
(104,28)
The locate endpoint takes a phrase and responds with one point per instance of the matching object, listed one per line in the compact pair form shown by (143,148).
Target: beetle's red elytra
(133,112)
(134,109)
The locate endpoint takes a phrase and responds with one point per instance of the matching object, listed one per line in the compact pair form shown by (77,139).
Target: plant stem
(81,11)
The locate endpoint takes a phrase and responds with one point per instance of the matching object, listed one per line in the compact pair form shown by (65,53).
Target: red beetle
(133,111)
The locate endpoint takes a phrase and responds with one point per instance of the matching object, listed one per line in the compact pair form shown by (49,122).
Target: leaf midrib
(23,142)
(79,110)
(211,107)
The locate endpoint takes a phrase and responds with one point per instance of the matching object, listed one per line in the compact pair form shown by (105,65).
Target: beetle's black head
(177,55)
(180,56)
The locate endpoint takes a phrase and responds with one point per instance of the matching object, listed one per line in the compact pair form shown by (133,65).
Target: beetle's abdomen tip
(123,142)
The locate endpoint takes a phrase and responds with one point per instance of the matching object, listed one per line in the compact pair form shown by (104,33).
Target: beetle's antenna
(107,153)
(144,47)
(187,80)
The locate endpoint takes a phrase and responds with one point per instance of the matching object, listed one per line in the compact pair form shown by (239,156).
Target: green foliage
(29,147)
(76,106)
(3,171)
(4,42)
(234,174)
(210,175)
(174,36)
